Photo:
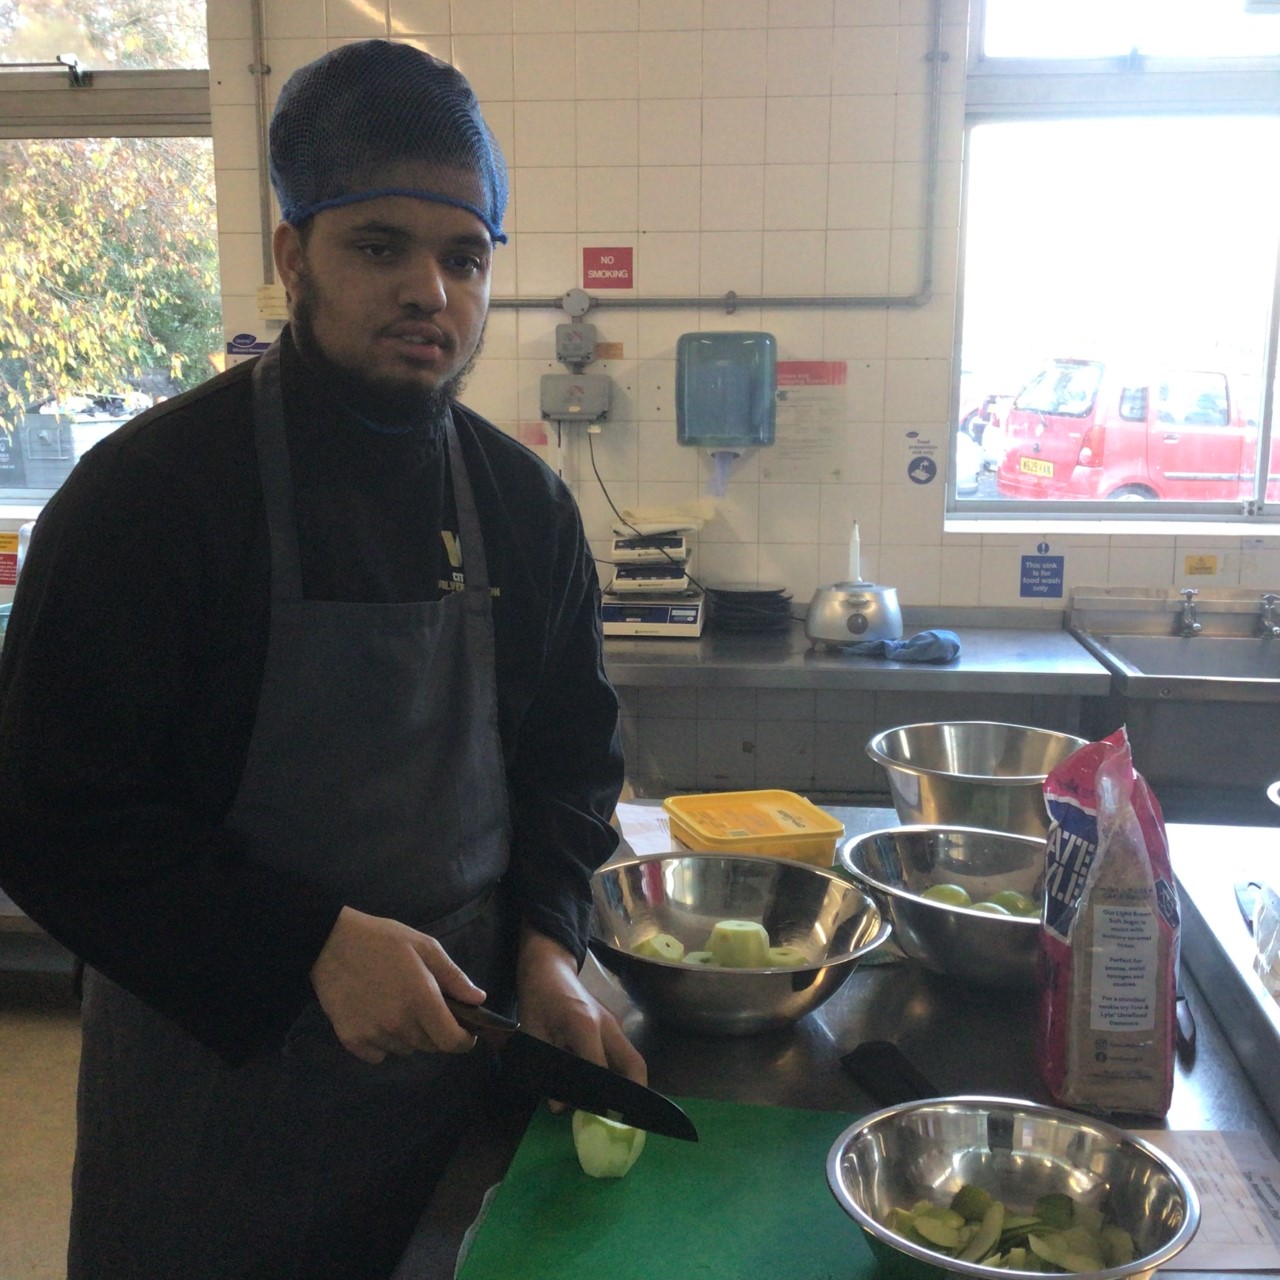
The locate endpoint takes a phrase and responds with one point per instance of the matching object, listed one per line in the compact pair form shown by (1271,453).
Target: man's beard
(386,401)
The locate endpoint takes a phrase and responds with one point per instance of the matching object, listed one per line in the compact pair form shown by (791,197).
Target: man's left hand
(554,1005)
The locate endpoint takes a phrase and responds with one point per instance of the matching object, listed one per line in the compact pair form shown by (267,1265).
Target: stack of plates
(748,606)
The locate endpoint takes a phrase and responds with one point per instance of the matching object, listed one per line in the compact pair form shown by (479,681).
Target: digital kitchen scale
(667,547)
(678,614)
(649,579)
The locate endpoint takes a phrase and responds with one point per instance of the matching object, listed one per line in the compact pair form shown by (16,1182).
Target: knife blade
(541,1067)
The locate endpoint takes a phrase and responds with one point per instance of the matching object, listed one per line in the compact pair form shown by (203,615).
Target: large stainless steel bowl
(971,773)
(1018,1151)
(899,863)
(685,894)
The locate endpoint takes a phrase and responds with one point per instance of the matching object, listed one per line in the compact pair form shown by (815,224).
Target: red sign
(812,373)
(607,268)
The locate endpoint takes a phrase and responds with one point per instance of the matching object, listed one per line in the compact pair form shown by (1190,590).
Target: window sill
(1184,528)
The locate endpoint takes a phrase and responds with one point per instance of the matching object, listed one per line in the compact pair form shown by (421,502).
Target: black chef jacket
(134,656)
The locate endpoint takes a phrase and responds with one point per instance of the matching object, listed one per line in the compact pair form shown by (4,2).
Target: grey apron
(375,765)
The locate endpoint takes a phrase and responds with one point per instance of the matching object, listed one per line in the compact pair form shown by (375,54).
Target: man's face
(392,292)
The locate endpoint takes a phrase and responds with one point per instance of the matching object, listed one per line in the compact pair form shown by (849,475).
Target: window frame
(1025,89)
(127,104)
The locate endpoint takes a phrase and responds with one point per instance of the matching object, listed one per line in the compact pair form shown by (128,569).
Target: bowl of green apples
(730,943)
(988,1186)
(963,901)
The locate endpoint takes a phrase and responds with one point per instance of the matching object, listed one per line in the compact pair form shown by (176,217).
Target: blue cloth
(924,646)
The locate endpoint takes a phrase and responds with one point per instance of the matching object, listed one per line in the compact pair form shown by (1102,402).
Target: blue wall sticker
(1042,574)
(922,461)
(246,344)
(922,470)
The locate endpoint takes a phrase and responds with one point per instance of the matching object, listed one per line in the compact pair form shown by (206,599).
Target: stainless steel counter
(962,1039)
(1034,660)
(1217,945)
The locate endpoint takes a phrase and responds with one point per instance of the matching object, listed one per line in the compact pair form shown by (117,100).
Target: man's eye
(466,263)
(376,249)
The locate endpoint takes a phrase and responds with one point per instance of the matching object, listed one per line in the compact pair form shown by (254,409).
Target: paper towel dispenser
(726,385)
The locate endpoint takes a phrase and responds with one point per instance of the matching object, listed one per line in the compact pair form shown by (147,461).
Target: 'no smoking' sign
(607,268)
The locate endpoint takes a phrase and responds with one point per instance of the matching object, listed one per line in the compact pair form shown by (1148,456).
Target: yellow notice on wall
(8,559)
(1200,566)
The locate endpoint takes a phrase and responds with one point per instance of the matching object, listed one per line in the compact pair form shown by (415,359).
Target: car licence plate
(1035,466)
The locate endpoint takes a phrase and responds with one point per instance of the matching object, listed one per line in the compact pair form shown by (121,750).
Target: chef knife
(540,1067)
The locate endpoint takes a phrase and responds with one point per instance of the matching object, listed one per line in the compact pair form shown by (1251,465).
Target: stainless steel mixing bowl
(685,894)
(971,773)
(899,863)
(1018,1151)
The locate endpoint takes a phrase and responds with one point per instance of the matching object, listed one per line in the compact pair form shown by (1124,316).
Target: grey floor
(39,1058)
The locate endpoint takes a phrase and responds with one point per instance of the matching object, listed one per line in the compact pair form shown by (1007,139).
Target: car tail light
(1091,446)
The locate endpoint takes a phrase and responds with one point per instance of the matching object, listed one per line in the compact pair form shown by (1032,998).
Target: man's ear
(286,244)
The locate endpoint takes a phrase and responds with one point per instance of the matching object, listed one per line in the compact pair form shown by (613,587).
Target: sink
(1254,659)
(1201,709)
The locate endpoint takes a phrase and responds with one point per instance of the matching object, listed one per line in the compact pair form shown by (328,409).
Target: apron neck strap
(272,446)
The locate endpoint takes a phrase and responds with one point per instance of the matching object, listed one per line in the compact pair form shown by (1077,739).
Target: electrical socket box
(576,397)
(575,344)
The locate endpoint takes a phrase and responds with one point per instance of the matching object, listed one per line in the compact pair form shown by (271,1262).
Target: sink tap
(1268,622)
(1187,623)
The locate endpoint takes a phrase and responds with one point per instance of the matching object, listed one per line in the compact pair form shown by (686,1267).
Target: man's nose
(423,287)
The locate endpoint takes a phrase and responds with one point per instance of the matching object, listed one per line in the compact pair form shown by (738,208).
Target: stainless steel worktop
(1034,660)
(962,1039)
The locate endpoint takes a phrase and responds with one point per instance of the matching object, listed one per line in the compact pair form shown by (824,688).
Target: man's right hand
(380,983)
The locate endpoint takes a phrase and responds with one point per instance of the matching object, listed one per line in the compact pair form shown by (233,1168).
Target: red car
(1092,429)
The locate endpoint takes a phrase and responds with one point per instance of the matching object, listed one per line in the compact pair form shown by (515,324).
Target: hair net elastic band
(297,216)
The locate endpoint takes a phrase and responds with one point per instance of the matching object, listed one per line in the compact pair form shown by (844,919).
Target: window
(1117,324)
(108,250)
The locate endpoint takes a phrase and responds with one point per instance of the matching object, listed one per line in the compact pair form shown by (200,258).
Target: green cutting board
(749,1199)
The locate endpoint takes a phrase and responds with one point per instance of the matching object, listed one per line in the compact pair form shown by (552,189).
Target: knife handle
(488,1027)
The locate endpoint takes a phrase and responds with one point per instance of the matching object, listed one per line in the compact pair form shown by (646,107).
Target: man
(305,726)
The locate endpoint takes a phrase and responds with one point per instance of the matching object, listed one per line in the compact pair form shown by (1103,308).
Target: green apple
(786,957)
(987,1236)
(1063,1234)
(660,946)
(1015,903)
(954,895)
(971,1202)
(991,908)
(698,957)
(606,1148)
(739,944)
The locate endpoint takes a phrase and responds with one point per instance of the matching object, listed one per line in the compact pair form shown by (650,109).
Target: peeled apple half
(606,1148)
(661,946)
(739,944)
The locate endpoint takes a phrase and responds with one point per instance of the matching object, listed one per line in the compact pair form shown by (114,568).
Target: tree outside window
(108,247)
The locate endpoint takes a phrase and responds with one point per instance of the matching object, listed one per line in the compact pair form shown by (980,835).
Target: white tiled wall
(768,147)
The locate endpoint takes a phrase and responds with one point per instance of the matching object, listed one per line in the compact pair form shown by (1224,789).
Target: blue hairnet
(343,119)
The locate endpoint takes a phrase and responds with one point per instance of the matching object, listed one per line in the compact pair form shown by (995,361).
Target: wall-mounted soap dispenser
(726,385)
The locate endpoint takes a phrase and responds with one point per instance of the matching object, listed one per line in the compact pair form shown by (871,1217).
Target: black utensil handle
(488,1027)
(886,1074)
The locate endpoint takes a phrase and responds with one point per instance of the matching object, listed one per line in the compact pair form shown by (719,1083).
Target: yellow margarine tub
(779,823)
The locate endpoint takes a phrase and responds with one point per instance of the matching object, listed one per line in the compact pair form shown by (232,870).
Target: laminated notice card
(1238,1181)
(645,827)
(810,423)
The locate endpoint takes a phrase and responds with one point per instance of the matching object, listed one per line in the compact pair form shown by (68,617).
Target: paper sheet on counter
(646,828)
(1238,1181)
